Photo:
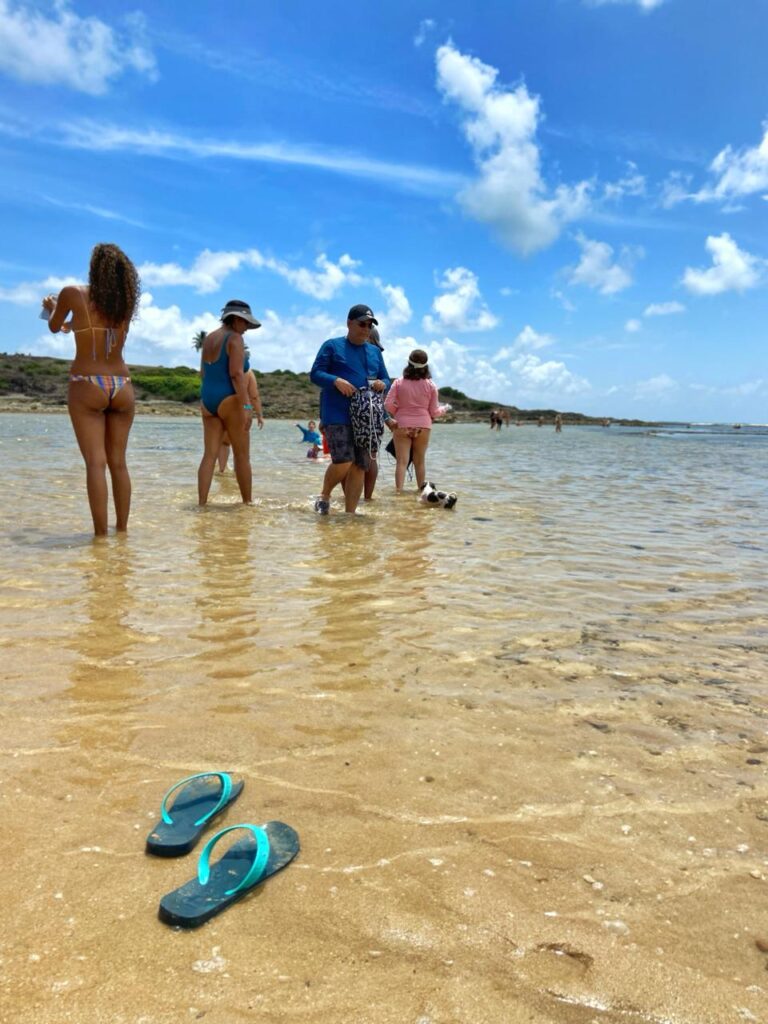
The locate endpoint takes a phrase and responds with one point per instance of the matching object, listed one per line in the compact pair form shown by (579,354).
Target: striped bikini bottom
(109,385)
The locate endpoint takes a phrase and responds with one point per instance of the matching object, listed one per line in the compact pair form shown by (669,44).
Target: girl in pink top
(412,400)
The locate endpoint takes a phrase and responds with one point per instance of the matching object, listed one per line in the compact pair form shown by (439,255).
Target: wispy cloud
(103,137)
(644,5)
(425,27)
(61,48)
(300,76)
(664,309)
(735,174)
(96,211)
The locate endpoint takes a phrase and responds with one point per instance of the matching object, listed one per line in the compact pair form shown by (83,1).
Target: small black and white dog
(431,496)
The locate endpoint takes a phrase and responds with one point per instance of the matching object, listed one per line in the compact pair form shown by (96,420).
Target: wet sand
(524,744)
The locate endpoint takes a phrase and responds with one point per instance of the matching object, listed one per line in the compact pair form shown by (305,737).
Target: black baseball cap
(362,312)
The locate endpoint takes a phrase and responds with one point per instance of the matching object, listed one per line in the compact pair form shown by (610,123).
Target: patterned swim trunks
(341,445)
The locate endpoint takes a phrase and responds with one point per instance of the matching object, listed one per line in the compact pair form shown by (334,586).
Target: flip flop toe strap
(226,790)
(260,858)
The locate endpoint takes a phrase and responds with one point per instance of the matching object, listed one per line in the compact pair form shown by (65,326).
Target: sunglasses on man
(365,323)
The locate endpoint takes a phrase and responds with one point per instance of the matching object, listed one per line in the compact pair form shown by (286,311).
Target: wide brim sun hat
(235,307)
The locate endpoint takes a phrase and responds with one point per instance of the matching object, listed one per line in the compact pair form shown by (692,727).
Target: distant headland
(40,383)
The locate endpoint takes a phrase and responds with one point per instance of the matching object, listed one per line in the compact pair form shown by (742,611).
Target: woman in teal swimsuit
(224,400)
(100,396)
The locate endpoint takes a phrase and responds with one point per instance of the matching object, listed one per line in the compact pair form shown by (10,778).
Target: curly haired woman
(100,397)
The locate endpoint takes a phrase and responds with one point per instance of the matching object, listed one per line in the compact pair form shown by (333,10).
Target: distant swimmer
(310,434)
(558,423)
(100,397)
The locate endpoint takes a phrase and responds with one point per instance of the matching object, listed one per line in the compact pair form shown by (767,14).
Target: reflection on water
(588,533)
(510,730)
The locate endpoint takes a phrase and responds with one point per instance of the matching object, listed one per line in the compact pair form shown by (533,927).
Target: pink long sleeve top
(413,403)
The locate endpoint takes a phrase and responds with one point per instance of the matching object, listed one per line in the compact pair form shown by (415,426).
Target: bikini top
(111,338)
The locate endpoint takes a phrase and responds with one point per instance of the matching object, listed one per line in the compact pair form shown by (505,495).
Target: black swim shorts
(342,447)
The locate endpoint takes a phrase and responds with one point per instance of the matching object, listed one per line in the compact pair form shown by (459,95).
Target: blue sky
(564,201)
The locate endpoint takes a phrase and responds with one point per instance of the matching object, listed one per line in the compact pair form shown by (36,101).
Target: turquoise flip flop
(202,797)
(247,863)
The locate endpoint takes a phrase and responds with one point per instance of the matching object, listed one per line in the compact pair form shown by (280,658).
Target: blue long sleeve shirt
(357,364)
(309,436)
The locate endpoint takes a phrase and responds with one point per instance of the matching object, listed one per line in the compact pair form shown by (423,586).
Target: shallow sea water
(524,742)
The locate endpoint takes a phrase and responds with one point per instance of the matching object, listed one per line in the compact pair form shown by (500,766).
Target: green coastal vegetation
(26,379)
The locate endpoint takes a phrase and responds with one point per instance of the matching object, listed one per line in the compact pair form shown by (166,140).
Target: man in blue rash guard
(341,367)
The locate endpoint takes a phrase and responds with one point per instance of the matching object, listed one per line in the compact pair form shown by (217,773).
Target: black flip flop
(247,863)
(202,797)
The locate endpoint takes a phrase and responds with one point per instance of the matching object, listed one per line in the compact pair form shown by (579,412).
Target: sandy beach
(524,744)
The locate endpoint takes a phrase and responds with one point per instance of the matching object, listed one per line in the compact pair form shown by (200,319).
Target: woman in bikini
(413,400)
(100,397)
(224,399)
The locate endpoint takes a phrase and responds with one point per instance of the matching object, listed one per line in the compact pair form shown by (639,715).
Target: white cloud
(633,326)
(739,172)
(461,306)
(162,334)
(735,173)
(61,48)
(500,126)
(398,311)
(523,378)
(526,339)
(632,184)
(291,343)
(99,137)
(209,270)
(644,5)
(532,377)
(663,309)
(541,378)
(425,27)
(733,269)
(325,281)
(676,189)
(95,211)
(563,299)
(31,293)
(206,274)
(597,269)
(655,387)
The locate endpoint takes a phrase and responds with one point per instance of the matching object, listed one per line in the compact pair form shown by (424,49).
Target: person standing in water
(342,367)
(224,400)
(372,473)
(413,400)
(254,397)
(100,396)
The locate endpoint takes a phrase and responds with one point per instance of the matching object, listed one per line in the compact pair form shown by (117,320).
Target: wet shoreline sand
(525,746)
